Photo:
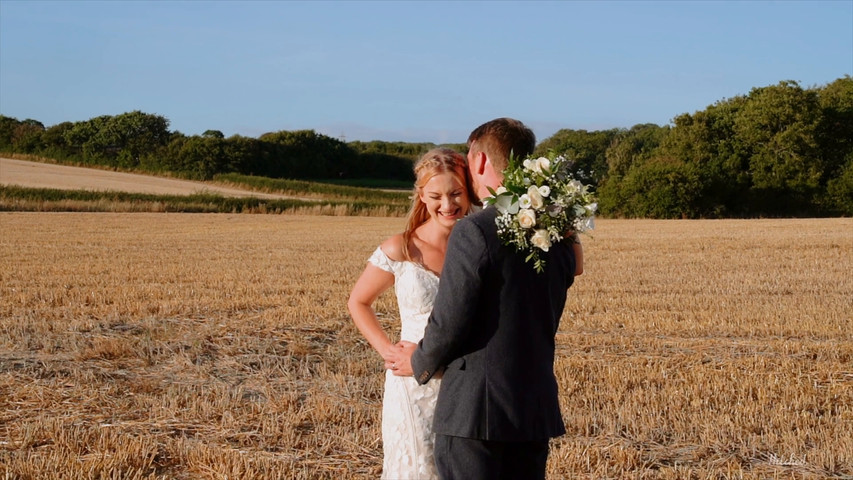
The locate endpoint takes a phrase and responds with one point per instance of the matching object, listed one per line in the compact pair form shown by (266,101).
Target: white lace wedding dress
(408,408)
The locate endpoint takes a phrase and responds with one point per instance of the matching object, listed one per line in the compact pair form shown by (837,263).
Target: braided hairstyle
(434,162)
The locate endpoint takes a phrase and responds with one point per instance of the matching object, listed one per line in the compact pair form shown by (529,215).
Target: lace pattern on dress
(408,408)
(380,260)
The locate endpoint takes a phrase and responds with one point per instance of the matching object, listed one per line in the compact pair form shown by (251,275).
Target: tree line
(142,142)
(781,150)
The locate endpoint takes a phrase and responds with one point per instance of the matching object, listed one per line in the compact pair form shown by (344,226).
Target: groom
(492,329)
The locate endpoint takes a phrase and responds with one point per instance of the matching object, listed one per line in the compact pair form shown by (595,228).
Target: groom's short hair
(500,137)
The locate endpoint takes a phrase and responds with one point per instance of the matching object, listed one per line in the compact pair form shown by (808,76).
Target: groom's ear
(480,161)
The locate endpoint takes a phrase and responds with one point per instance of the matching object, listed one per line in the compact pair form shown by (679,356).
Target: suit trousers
(459,458)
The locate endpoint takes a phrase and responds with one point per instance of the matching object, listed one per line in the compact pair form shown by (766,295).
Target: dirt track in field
(64,177)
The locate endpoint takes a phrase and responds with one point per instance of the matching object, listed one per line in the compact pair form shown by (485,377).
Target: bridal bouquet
(539,204)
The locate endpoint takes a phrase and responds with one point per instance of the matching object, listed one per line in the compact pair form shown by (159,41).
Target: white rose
(526,218)
(533,165)
(541,240)
(542,163)
(535,197)
(524,201)
(536,164)
(528,164)
(544,190)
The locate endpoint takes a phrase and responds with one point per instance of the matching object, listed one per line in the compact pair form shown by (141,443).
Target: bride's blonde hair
(432,163)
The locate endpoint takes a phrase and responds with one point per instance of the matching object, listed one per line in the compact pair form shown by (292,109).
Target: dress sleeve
(380,260)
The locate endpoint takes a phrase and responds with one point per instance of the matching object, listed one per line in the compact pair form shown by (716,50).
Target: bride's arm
(575,240)
(578,248)
(372,282)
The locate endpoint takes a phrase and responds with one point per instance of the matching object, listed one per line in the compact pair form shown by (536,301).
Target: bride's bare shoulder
(393,247)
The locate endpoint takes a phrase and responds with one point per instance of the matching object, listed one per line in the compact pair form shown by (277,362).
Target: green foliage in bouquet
(539,204)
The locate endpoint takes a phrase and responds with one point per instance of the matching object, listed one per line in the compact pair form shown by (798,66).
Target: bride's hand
(400,361)
(391,354)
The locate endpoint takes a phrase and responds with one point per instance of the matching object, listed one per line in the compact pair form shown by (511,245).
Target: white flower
(526,218)
(504,204)
(541,240)
(537,165)
(551,202)
(535,197)
(575,186)
(532,165)
(583,224)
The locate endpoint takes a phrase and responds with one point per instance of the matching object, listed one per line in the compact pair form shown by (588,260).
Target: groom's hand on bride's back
(401,364)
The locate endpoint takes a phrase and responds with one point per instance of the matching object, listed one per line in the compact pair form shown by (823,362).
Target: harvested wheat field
(64,177)
(184,346)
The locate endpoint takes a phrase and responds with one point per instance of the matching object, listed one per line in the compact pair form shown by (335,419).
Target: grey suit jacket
(492,327)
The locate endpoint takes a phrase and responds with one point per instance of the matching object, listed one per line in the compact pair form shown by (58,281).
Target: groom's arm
(458,295)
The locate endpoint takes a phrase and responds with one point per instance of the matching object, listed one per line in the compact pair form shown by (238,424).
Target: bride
(411,262)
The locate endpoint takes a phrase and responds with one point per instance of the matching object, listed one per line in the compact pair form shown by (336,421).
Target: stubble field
(218,346)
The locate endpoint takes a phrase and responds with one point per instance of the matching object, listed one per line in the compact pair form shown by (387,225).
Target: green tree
(632,147)
(203,157)
(410,151)
(120,140)
(54,142)
(707,140)
(392,160)
(84,141)
(307,154)
(135,134)
(213,134)
(628,150)
(777,126)
(244,154)
(587,151)
(7,132)
(659,188)
(835,128)
(839,190)
(26,138)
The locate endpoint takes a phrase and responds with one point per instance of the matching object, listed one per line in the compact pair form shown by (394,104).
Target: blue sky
(407,71)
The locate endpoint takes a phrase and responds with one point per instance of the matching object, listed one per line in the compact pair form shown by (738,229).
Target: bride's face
(446,198)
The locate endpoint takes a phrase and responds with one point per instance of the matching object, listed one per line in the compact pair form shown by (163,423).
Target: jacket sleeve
(454,310)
